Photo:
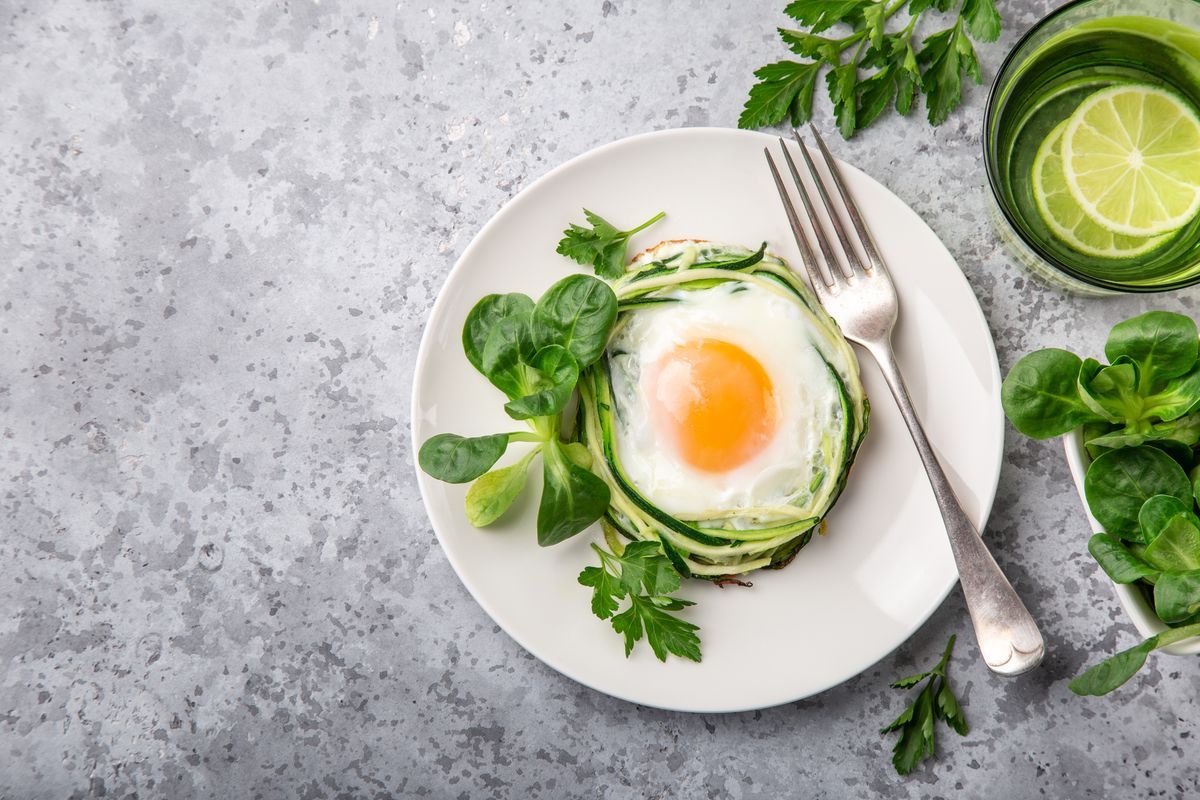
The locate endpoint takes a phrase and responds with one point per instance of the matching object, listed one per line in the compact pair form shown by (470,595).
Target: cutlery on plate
(861,298)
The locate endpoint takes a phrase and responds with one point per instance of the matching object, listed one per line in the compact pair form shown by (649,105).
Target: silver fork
(862,299)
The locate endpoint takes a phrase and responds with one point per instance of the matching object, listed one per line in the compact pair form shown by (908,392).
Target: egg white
(771,328)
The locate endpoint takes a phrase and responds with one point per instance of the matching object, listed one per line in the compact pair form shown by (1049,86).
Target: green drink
(1092,144)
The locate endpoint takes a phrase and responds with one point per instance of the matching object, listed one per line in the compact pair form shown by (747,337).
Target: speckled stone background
(221,228)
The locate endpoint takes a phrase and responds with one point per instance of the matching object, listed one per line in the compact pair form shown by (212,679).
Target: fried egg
(725,403)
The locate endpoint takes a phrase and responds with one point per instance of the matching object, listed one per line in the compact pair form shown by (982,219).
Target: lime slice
(1131,159)
(1066,219)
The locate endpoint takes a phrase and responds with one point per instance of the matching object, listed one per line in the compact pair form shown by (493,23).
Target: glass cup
(1081,48)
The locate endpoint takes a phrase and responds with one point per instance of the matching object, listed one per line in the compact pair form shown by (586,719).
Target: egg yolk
(714,402)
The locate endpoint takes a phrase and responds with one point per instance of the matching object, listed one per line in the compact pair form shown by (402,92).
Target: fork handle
(1008,637)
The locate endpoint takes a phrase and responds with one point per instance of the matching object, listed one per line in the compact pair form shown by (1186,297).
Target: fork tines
(825,274)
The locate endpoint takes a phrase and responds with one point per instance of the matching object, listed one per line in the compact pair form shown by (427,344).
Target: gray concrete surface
(221,228)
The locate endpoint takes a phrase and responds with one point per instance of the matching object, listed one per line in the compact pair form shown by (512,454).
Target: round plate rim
(987,499)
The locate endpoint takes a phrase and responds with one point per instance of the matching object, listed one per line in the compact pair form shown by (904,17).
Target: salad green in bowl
(1133,441)
(1135,600)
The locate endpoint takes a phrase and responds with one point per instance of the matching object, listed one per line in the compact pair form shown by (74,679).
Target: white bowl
(1132,600)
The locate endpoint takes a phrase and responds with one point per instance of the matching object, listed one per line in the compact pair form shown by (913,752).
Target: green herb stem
(544,429)
(858,53)
(646,224)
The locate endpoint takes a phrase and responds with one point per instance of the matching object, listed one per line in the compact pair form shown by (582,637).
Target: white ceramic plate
(851,596)
(1132,600)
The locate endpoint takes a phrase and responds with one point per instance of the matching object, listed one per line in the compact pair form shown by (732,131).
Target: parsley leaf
(664,632)
(810,45)
(910,681)
(874,18)
(942,80)
(874,95)
(645,576)
(823,14)
(607,590)
(916,741)
(949,54)
(785,89)
(903,65)
(916,723)
(949,709)
(667,633)
(601,246)
(841,82)
(983,21)
(634,561)
(908,78)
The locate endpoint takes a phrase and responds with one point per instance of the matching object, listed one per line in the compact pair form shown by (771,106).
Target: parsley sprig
(601,246)
(902,66)
(935,701)
(644,576)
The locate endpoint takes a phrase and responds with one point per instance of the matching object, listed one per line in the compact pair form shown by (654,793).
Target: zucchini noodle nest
(760,528)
